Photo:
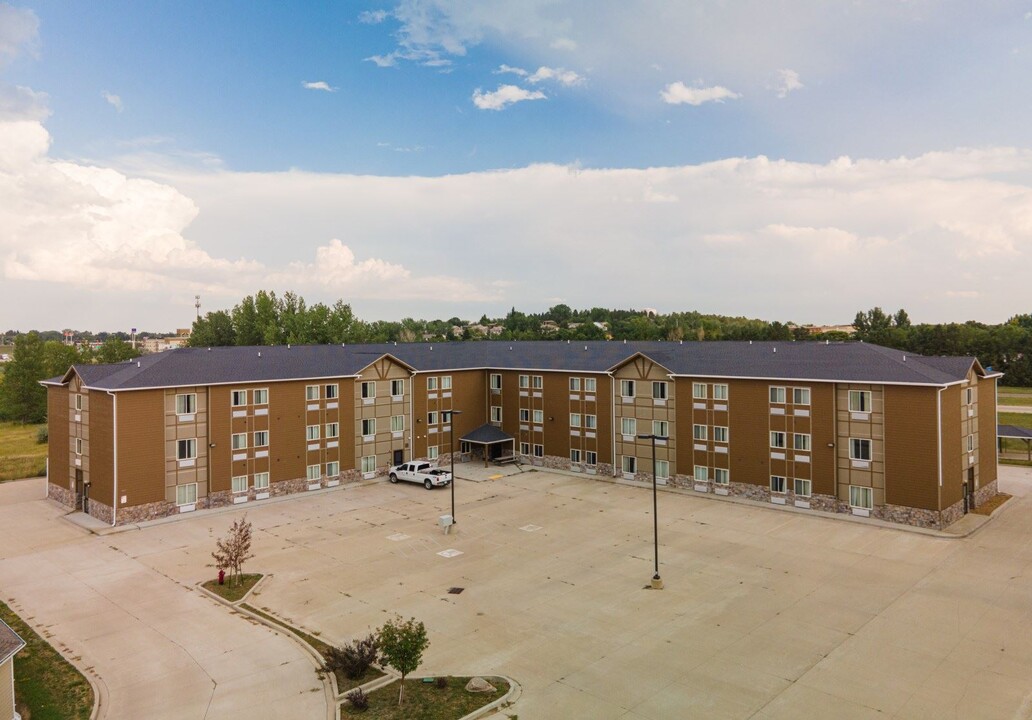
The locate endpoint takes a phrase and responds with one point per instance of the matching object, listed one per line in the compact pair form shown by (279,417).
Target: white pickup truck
(422,472)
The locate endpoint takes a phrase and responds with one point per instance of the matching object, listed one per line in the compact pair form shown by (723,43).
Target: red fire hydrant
(222,577)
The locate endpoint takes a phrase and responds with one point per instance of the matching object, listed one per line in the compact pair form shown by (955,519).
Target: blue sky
(452,157)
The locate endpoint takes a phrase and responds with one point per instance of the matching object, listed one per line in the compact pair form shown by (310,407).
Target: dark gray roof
(487,434)
(10,643)
(843,362)
(1013,431)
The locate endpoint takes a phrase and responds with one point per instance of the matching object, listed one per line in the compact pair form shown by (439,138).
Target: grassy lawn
(47,686)
(232,593)
(1015,390)
(1005,400)
(20,455)
(426,701)
(1020,420)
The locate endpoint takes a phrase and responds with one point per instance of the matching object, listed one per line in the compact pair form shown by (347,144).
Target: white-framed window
(186,449)
(369,462)
(524,382)
(777,484)
(431,383)
(662,469)
(539,417)
(368,426)
(311,392)
(332,469)
(700,432)
(719,391)
(495,381)
(701,473)
(312,432)
(331,391)
(720,434)
(261,438)
(860,401)
(590,457)
(238,398)
(575,420)
(659,390)
(397,388)
(496,413)
(78,403)
(431,452)
(777,439)
(239,441)
(537,382)
(368,389)
(186,494)
(525,415)
(539,450)
(861,497)
(397,423)
(465,447)
(261,396)
(699,391)
(721,476)
(970,443)
(859,449)
(590,422)
(661,428)
(431,417)
(777,395)
(589,385)
(314,472)
(239,483)
(629,426)
(446,382)
(969,395)
(261,481)
(78,446)
(524,448)
(575,384)
(800,396)
(801,441)
(575,455)
(186,404)
(801,487)
(332,430)
(629,464)
(627,388)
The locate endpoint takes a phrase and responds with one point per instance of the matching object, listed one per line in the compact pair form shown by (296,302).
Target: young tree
(234,550)
(22,398)
(402,643)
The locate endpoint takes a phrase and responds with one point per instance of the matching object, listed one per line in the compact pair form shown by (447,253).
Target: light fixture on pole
(451,424)
(657,582)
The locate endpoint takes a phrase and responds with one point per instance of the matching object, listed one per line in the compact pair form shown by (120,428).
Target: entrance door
(82,492)
(399,457)
(971,488)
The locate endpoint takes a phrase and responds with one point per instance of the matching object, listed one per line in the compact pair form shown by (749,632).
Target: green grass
(235,592)
(1015,390)
(1004,400)
(20,455)
(46,686)
(1014,418)
(426,701)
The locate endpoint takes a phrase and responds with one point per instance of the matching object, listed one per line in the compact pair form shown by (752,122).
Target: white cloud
(559,75)
(504,96)
(563,44)
(677,93)
(113,100)
(503,69)
(19,32)
(373,17)
(388,60)
(318,85)
(786,81)
(22,103)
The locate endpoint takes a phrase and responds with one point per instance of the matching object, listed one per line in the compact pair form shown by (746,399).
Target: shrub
(42,436)
(358,699)
(442,682)
(354,658)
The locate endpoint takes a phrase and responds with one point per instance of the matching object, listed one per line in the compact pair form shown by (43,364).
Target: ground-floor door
(399,457)
(82,492)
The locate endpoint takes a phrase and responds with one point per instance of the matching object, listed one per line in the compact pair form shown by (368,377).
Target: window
(368,426)
(261,396)
(662,469)
(524,381)
(777,395)
(239,441)
(431,417)
(524,415)
(369,462)
(661,428)
(537,382)
(238,398)
(575,384)
(397,388)
(431,452)
(261,438)
(524,448)
(575,420)
(971,443)
(575,456)
(701,473)
(78,403)
(240,483)
(539,416)
(332,430)
(368,390)
(801,396)
(721,476)
(629,464)
(312,432)
(397,423)
(185,404)
(331,391)
(539,451)
(261,481)
(861,497)
(496,381)
(659,391)
(801,487)
(590,422)
(332,469)
(719,391)
(446,382)
(801,441)
(78,446)
(629,426)
(859,449)
(496,413)
(777,439)
(699,432)
(311,392)
(969,395)
(590,457)
(186,494)
(431,383)
(777,484)
(314,472)
(627,388)
(699,391)
(860,401)
(589,385)
(186,449)
(719,434)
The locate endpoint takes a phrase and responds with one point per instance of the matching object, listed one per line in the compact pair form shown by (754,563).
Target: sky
(790,160)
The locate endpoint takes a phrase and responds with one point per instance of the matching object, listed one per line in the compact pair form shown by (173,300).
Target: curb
(515,690)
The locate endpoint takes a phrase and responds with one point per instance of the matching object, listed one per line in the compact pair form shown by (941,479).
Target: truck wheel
(428,485)
(394,478)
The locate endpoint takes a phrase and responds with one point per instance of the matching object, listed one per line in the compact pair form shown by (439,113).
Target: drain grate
(455,590)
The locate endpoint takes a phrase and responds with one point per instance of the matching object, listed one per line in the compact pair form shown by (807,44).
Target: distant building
(821,329)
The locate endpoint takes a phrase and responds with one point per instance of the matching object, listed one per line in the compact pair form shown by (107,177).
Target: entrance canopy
(1013,432)
(493,440)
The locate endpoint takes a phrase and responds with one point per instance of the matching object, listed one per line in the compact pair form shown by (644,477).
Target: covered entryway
(1013,432)
(491,443)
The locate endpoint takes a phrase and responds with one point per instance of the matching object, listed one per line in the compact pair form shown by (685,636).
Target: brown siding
(7,688)
(822,437)
(141,447)
(749,431)
(987,469)
(911,469)
(57,428)
(952,458)
(102,440)
(287,420)
(469,388)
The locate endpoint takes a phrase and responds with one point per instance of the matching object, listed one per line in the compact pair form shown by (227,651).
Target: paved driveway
(766,614)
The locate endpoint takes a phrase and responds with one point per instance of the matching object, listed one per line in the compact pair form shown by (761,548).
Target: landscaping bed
(233,593)
(21,453)
(992,503)
(426,701)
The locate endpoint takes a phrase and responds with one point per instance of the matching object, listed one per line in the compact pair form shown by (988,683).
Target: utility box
(446,522)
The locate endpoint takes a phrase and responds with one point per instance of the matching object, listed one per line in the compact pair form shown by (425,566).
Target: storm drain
(455,590)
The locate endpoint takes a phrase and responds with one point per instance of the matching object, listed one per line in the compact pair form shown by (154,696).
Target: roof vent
(288,346)
(343,344)
(585,348)
(138,362)
(431,347)
(775,349)
(827,342)
(904,358)
(259,353)
(750,342)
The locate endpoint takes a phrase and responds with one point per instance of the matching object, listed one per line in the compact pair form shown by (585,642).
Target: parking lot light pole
(657,582)
(451,424)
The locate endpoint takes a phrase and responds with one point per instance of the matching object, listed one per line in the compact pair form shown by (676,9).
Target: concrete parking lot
(765,614)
